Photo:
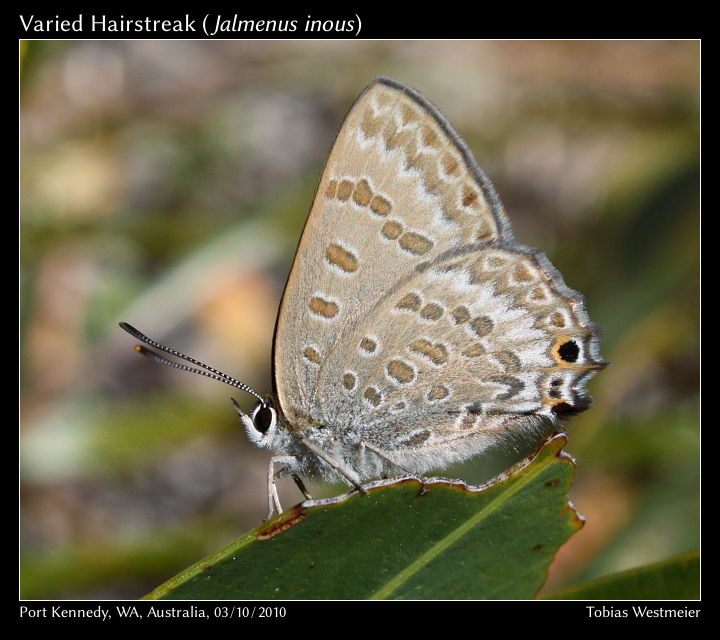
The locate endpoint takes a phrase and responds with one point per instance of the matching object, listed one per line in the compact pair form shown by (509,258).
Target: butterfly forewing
(396,190)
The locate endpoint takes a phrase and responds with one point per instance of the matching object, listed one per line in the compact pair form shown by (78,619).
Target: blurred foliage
(167,183)
(674,579)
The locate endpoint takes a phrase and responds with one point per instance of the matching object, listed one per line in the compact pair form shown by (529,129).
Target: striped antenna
(209,372)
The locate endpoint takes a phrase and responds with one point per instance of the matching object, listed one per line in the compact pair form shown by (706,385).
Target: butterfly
(414,330)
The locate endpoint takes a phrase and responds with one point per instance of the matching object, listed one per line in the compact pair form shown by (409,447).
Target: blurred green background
(166,184)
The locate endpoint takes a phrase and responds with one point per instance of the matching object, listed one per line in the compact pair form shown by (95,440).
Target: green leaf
(675,579)
(404,540)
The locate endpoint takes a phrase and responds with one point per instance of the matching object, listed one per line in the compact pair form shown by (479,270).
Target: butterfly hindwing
(456,348)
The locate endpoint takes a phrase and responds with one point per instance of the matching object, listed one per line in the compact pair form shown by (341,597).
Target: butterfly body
(351,448)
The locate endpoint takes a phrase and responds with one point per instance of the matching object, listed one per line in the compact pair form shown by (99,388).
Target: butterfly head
(260,424)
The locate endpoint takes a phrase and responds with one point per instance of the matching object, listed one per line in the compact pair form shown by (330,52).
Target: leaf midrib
(451,538)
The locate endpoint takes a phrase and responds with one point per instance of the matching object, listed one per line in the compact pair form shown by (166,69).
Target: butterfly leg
(272,494)
(387,455)
(349,474)
(360,457)
(301,486)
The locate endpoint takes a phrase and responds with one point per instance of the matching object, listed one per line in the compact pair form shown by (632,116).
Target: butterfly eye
(264,418)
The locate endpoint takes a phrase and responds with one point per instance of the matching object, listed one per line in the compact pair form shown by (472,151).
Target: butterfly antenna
(156,357)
